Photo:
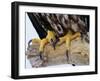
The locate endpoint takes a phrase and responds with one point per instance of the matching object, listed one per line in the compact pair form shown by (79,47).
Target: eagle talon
(55,42)
(43,60)
(52,43)
(29,42)
(41,55)
(73,65)
(67,55)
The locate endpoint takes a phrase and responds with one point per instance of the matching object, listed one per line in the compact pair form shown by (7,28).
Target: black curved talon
(55,42)
(52,43)
(67,55)
(43,59)
(73,65)
(41,56)
(29,43)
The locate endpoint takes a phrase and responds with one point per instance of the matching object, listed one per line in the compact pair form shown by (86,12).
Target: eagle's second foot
(67,55)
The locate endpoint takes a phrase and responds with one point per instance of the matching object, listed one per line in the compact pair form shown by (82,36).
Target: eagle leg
(50,38)
(67,39)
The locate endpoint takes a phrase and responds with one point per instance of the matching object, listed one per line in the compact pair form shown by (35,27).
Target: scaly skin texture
(50,36)
(49,39)
(68,38)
